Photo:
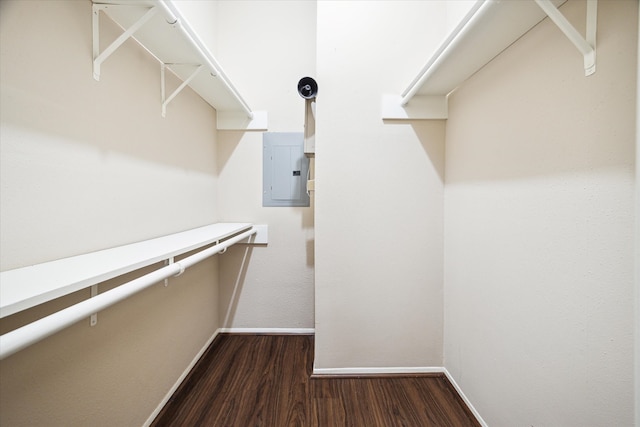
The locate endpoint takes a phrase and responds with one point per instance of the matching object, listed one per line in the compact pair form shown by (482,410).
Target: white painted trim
(181,378)
(465,398)
(238,120)
(422,107)
(260,238)
(379,371)
(274,331)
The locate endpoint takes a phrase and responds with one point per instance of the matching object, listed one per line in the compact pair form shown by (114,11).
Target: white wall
(202,18)
(539,225)
(379,191)
(456,11)
(88,165)
(267,46)
(637,241)
(77,156)
(535,238)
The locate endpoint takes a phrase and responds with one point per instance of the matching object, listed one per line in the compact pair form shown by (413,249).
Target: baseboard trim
(386,371)
(181,378)
(268,331)
(464,397)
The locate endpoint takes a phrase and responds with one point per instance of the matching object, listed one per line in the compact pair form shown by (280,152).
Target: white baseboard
(379,371)
(184,374)
(465,398)
(273,331)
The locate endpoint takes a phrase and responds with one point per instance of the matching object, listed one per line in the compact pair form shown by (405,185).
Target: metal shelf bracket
(100,57)
(586,45)
(165,100)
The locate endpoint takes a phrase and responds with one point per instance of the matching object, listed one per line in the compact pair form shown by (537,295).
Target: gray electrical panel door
(284,169)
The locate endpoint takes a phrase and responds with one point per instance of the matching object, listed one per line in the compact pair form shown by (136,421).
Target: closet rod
(20,338)
(448,48)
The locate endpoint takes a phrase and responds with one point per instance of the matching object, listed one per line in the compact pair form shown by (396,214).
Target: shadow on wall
(431,134)
(240,165)
(228,144)
(308,225)
(559,121)
(120,113)
(237,259)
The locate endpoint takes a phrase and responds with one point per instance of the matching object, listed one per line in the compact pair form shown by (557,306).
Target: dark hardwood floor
(264,380)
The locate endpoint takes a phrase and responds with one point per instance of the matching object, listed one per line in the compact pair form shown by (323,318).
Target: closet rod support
(100,57)
(94,317)
(586,45)
(166,263)
(165,100)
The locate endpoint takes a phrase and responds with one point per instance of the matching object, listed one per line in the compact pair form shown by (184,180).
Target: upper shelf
(27,287)
(487,29)
(160,28)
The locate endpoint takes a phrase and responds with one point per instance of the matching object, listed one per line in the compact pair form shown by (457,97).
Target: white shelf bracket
(100,57)
(586,45)
(94,316)
(165,100)
(166,263)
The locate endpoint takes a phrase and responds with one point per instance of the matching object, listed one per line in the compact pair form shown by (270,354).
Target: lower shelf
(27,287)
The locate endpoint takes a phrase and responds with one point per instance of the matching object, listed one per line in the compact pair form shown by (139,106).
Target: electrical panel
(285,169)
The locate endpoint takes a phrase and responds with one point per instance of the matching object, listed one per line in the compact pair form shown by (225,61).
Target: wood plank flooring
(264,380)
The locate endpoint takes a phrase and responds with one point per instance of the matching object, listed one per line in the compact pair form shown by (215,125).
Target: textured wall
(267,46)
(379,222)
(88,165)
(539,225)
(93,159)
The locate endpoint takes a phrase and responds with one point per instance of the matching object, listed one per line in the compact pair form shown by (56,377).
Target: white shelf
(26,287)
(486,30)
(166,35)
